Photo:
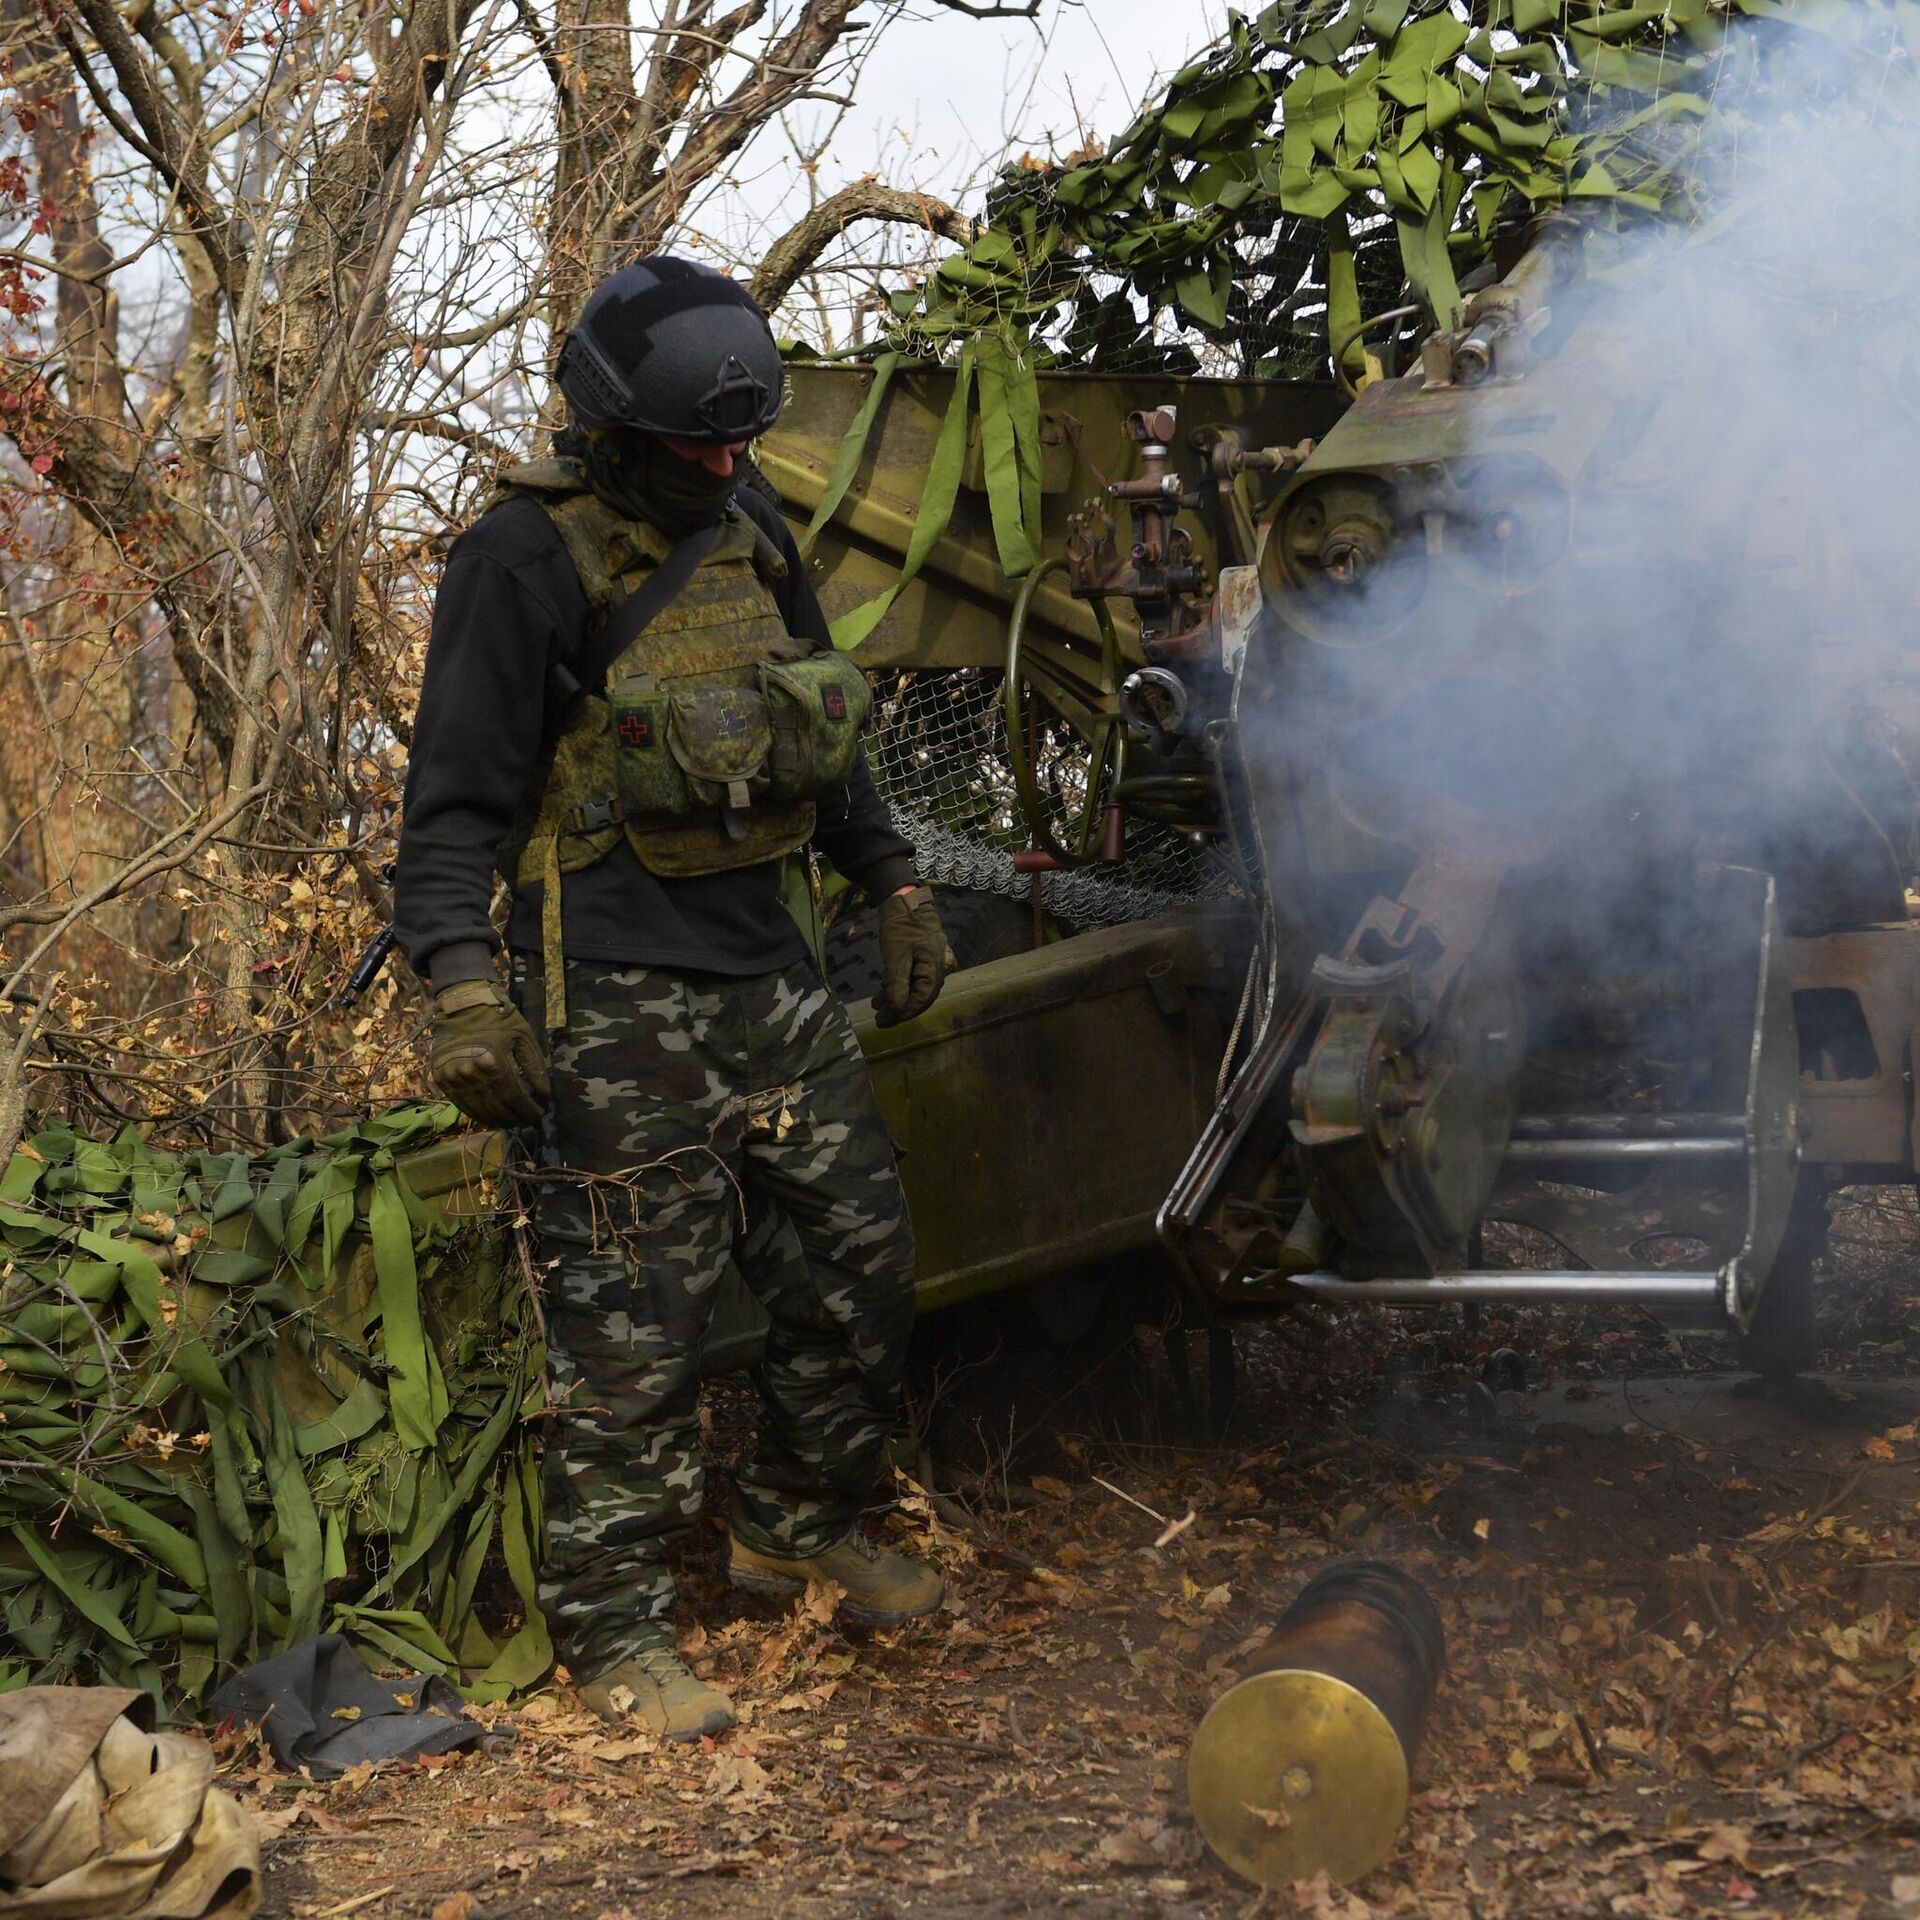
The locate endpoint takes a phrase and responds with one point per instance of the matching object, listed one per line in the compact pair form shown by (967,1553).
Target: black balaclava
(640,476)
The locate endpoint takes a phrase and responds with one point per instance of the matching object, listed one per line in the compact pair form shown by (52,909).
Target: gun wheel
(1066,745)
(1784,1339)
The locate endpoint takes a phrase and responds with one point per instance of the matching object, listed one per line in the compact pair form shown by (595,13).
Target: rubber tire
(979,927)
(1784,1339)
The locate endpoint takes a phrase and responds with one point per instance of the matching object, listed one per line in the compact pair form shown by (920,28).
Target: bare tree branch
(436,426)
(350,234)
(785,70)
(865,199)
(535,29)
(170,144)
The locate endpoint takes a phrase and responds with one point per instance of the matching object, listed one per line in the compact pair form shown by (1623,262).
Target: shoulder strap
(583,522)
(632,616)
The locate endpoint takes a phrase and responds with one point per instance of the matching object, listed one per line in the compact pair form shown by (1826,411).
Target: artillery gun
(1534,950)
(1407,852)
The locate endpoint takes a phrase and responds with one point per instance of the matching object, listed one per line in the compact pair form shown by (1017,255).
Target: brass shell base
(1293,1773)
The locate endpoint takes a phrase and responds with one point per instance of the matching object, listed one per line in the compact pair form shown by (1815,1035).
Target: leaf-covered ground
(1684,1661)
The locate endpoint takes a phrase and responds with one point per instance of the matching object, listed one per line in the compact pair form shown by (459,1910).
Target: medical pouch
(816,708)
(684,752)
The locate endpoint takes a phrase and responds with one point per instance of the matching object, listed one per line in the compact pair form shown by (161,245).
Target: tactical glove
(486,1059)
(914,957)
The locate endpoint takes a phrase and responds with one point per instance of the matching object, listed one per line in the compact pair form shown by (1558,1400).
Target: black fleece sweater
(510,605)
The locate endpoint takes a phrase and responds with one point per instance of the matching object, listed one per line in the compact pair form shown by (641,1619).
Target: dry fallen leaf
(819,1604)
(1728,1843)
(737,1771)
(1132,1849)
(1322,1900)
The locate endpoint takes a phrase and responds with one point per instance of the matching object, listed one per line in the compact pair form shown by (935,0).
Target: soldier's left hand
(486,1058)
(914,956)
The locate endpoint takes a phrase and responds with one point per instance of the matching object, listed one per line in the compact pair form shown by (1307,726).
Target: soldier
(632,705)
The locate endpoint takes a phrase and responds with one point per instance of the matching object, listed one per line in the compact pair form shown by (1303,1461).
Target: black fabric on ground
(509,603)
(297,1698)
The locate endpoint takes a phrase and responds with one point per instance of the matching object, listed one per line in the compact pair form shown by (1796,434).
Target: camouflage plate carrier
(716,730)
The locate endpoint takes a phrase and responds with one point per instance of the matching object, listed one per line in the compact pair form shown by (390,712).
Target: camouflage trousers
(712,1102)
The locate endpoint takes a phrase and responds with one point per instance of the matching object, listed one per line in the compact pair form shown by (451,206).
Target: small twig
(1175,1528)
(1595,1758)
(523,1248)
(359,1901)
(1739,1667)
(1131,1501)
(13,1088)
(1811,1747)
(949,1511)
(947,1743)
(1776,1547)
(1623,1752)
(1015,1556)
(1660,1736)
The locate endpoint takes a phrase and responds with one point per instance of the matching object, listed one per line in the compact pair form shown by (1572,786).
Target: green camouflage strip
(729,1111)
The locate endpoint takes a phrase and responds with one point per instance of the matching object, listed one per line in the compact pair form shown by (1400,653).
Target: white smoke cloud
(1664,599)
(1577,643)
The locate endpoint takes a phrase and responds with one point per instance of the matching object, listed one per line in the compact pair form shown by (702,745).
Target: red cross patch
(635,729)
(835,703)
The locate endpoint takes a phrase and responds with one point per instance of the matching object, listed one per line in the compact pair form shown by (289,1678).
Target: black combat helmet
(670,347)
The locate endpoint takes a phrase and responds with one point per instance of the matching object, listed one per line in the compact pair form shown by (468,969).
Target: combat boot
(882,1589)
(655,1690)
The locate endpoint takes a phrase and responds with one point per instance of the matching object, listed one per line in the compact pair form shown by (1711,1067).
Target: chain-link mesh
(938,749)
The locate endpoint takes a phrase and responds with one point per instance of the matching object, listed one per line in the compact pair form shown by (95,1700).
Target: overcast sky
(959,87)
(943,96)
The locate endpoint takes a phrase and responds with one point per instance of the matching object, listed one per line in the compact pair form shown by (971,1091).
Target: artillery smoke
(1668,609)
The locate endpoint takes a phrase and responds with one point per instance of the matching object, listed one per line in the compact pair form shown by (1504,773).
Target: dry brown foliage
(281,287)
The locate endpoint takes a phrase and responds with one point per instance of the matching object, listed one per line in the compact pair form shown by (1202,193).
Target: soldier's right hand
(486,1059)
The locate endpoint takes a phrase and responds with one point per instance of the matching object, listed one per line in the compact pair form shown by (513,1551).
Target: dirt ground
(1683,1659)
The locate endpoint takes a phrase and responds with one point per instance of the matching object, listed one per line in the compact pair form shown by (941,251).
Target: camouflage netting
(1311,189)
(247,1400)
